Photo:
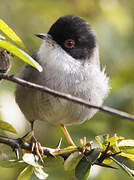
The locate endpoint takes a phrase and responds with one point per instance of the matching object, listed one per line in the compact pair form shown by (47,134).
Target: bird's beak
(44,36)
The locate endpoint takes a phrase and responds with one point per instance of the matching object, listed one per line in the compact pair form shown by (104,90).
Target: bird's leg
(67,135)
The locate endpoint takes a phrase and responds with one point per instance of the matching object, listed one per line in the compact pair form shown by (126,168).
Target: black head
(74,35)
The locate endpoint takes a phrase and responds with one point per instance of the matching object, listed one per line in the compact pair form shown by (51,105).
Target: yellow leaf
(11,34)
(2,37)
(129,156)
(126,145)
(20,53)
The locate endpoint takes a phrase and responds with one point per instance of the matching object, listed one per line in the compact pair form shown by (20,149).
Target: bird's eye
(69,43)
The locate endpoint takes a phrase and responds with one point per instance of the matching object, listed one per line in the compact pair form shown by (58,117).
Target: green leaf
(26,173)
(31,159)
(20,53)
(2,37)
(72,161)
(126,146)
(52,162)
(125,163)
(83,168)
(40,173)
(11,163)
(10,33)
(7,127)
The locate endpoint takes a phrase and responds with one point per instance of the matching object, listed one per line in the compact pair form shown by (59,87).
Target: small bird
(69,56)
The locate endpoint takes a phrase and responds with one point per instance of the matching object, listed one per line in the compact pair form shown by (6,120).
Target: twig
(68,97)
(18,143)
(15,144)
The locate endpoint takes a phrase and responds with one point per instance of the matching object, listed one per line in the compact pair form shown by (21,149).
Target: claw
(33,146)
(40,148)
(38,151)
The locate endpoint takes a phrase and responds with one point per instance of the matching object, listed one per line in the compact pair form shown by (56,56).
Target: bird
(69,55)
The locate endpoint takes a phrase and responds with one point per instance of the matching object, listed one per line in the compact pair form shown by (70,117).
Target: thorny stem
(19,143)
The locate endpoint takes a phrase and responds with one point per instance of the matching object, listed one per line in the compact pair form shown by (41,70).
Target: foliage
(79,159)
(7,127)
(12,48)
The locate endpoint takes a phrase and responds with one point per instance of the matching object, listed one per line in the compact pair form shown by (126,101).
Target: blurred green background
(113,23)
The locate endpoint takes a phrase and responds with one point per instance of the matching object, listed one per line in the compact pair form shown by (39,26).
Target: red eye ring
(69,43)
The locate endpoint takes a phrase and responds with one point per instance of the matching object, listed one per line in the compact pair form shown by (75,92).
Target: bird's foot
(36,148)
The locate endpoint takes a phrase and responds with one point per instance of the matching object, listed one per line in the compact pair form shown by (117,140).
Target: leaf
(107,161)
(125,163)
(11,163)
(31,159)
(126,146)
(10,33)
(113,143)
(2,37)
(83,168)
(40,173)
(114,139)
(72,161)
(7,127)
(102,140)
(129,156)
(20,53)
(26,173)
(52,162)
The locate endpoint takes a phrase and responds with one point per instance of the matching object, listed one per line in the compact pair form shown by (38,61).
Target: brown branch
(68,97)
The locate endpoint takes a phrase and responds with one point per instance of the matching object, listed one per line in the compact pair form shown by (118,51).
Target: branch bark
(68,97)
(20,143)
